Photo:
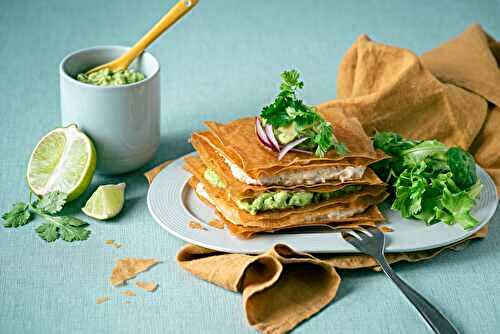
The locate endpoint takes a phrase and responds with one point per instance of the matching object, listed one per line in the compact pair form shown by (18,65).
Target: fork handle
(431,314)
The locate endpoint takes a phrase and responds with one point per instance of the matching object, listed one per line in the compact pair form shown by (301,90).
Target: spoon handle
(173,15)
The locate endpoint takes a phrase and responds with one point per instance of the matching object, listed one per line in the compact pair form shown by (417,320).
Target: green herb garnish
(65,227)
(292,119)
(431,181)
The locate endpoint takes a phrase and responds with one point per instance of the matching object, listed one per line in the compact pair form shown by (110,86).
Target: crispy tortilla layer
(237,190)
(230,157)
(238,142)
(370,217)
(337,209)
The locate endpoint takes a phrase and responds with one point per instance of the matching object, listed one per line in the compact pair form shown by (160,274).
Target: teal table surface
(220,62)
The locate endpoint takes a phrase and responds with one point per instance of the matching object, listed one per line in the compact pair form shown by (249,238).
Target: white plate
(173,205)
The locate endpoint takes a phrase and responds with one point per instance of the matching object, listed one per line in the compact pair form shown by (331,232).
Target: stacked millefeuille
(254,191)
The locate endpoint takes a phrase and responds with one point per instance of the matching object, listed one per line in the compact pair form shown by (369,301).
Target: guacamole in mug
(106,77)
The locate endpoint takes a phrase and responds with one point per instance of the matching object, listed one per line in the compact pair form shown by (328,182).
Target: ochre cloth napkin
(450,93)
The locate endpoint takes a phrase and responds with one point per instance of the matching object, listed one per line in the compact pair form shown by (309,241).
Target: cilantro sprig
(292,119)
(67,228)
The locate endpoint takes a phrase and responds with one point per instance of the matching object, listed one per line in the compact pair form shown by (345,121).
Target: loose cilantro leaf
(288,113)
(47,232)
(52,203)
(18,216)
(67,228)
(431,182)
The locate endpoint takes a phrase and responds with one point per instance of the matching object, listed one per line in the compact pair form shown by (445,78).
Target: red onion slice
(290,146)
(300,151)
(261,134)
(271,137)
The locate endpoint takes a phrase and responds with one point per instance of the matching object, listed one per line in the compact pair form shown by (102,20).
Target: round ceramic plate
(173,204)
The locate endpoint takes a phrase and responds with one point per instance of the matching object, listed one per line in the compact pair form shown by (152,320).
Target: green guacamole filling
(279,200)
(106,77)
(211,176)
(284,199)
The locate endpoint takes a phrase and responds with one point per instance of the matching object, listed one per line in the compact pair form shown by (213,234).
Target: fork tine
(354,234)
(366,232)
(347,236)
(375,231)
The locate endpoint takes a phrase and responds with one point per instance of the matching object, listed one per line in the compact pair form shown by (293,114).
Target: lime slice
(106,202)
(63,160)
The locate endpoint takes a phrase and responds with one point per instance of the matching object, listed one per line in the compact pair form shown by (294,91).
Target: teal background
(220,62)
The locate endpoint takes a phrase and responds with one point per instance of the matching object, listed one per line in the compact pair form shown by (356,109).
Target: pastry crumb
(103,299)
(128,293)
(196,226)
(128,268)
(113,243)
(217,224)
(148,286)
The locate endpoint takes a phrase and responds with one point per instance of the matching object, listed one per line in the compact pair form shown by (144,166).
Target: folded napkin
(451,93)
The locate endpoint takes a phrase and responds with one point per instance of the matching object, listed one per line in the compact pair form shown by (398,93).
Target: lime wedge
(63,160)
(106,202)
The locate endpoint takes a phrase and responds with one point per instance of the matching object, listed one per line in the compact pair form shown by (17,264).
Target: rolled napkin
(277,286)
(451,93)
(282,287)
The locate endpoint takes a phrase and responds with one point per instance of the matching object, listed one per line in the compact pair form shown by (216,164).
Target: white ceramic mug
(123,121)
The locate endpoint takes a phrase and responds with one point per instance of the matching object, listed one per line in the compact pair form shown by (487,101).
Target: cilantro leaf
(18,216)
(47,232)
(291,81)
(324,139)
(72,229)
(52,202)
(67,228)
(289,112)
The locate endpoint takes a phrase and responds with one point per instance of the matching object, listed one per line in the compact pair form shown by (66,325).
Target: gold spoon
(173,15)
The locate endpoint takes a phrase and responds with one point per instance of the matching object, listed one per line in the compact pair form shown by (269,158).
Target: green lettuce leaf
(431,182)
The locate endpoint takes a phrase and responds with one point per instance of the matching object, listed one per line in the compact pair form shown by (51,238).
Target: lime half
(106,202)
(63,160)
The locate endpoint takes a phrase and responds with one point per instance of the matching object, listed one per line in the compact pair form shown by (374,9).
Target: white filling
(299,177)
(200,190)
(336,214)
